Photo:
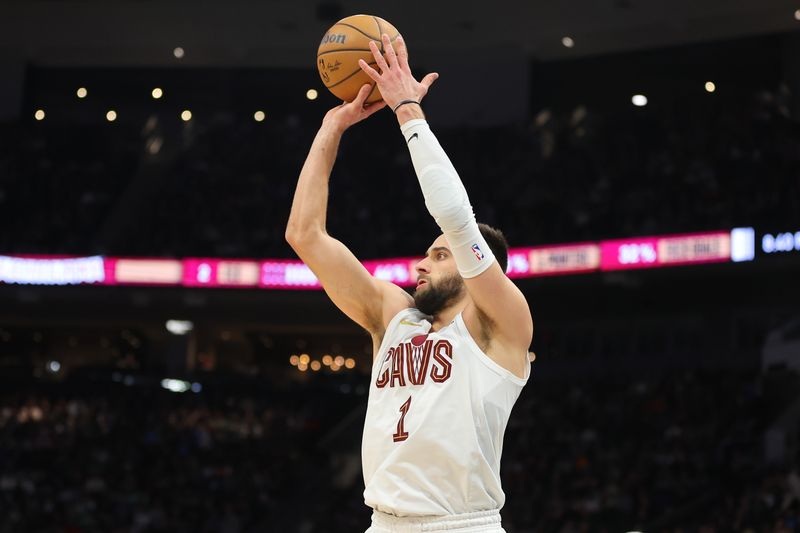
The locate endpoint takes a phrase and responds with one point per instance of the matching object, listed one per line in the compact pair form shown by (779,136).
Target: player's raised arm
(497,304)
(369,302)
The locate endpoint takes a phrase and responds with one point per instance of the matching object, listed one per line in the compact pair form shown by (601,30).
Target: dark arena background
(168,365)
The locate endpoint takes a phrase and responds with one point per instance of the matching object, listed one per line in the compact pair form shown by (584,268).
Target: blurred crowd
(222,186)
(136,460)
(680,453)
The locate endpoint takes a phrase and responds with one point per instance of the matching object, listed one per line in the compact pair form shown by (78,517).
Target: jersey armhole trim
(488,361)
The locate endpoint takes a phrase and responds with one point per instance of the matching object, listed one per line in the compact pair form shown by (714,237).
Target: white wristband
(446,199)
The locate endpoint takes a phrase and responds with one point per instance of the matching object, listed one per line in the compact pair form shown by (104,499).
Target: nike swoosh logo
(407,322)
(414,136)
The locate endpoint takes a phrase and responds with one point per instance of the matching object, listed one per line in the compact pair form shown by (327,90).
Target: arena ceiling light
(53,366)
(797,15)
(259,116)
(568,42)
(710,87)
(157,93)
(186,115)
(111,116)
(312,94)
(82,92)
(39,114)
(178,52)
(179,327)
(639,100)
(175,385)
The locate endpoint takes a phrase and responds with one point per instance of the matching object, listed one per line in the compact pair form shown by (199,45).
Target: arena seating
(225,184)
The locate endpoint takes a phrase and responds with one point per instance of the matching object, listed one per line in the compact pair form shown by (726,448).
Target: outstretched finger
(371,72)
(379,59)
(428,80)
(402,53)
(389,50)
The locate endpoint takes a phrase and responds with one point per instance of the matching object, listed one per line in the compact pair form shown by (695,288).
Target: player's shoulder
(394,300)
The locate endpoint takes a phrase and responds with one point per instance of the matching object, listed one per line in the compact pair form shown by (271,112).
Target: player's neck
(444,317)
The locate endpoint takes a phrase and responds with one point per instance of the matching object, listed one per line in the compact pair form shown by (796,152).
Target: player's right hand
(346,114)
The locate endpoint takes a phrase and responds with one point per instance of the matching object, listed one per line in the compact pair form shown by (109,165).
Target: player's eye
(441,255)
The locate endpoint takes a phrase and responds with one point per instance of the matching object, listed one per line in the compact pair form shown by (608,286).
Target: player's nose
(422,266)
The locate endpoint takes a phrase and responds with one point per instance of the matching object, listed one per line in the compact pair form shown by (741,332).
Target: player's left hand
(395,80)
(346,114)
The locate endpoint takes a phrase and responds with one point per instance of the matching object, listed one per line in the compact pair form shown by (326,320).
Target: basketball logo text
(333,38)
(413,362)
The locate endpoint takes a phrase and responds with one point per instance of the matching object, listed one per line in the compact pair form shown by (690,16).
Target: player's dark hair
(497,243)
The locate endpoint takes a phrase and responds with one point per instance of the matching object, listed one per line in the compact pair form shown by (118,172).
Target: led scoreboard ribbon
(649,252)
(618,254)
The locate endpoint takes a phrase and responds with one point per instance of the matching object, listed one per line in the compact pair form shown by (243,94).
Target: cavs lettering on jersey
(433,435)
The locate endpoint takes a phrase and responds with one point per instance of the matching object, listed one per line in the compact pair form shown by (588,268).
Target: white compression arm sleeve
(446,199)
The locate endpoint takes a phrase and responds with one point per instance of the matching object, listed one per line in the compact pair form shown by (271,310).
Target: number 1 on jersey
(401,434)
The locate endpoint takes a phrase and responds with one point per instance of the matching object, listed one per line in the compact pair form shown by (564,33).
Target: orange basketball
(342,46)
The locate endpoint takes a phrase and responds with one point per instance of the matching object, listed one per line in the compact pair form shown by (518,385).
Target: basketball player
(449,362)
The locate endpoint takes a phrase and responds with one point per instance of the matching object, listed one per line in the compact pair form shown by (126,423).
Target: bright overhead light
(568,42)
(157,93)
(39,115)
(179,327)
(186,115)
(53,366)
(178,52)
(711,86)
(312,94)
(175,385)
(259,116)
(82,92)
(111,116)
(639,100)
(797,15)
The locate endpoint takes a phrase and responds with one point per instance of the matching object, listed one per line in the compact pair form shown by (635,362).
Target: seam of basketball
(362,32)
(374,85)
(348,76)
(343,50)
(380,31)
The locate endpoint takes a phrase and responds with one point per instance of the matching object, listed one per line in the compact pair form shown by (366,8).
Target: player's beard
(440,295)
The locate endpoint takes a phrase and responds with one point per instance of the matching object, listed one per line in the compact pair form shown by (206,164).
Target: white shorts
(481,521)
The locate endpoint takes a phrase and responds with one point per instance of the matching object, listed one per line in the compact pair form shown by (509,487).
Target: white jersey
(438,407)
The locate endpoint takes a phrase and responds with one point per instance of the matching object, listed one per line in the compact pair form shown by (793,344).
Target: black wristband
(404,102)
